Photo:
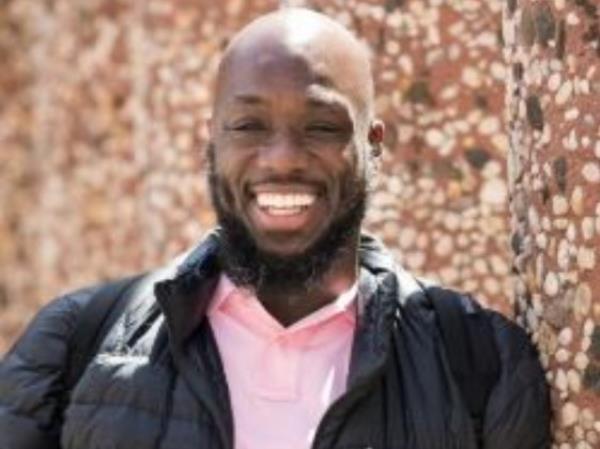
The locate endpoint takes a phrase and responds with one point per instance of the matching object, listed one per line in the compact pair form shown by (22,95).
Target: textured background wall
(102,112)
(102,127)
(553,97)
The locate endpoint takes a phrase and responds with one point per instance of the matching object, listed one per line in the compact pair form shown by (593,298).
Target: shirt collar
(228,299)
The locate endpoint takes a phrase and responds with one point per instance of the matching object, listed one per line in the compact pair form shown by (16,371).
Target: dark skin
(292,119)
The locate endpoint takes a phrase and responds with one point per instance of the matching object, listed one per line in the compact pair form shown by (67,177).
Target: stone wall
(17,169)
(103,106)
(103,114)
(553,101)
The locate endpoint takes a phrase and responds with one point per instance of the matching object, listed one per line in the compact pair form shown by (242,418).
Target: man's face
(288,150)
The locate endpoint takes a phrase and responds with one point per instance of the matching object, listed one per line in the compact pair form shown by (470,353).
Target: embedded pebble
(554,82)
(586,258)
(591,172)
(583,300)
(494,192)
(572,19)
(444,246)
(560,206)
(587,418)
(471,77)
(551,284)
(561,381)
(569,414)
(564,93)
(581,361)
(577,200)
(588,327)
(562,355)
(489,126)
(565,336)
(574,381)
(570,142)
(572,114)
(587,228)
(435,137)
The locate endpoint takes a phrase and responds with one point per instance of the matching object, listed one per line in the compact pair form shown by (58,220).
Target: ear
(376,134)
(209,127)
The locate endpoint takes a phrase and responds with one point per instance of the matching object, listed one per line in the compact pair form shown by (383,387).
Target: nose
(283,155)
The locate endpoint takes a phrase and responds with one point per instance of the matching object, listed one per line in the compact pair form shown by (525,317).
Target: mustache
(267,177)
(287,181)
(293,178)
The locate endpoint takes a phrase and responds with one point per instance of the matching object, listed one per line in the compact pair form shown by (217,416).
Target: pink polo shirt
(281,379)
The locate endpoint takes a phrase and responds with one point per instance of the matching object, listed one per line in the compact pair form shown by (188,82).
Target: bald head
(306,44)
(292,122)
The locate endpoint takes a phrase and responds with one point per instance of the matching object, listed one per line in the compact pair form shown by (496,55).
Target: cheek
(354,162)
(354,174)
(223,181)
(227,193)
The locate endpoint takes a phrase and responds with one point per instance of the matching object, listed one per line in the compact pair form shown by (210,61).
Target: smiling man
(293,137)
(285,328)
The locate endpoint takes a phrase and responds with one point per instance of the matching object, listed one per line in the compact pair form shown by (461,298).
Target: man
(285,328)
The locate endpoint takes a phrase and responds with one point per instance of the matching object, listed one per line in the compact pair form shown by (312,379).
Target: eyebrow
(327,102)
(317,101)
(335,105)
(248,99)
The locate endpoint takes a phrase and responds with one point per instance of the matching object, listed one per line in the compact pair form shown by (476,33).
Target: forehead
(272,68)
(255,78)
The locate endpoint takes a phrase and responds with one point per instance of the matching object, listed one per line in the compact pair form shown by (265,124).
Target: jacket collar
(383,286)
(384,289)
(184,298)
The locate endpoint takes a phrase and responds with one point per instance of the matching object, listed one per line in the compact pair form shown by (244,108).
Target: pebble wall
(104,122)
(17,170)
(553,100)
(487,104)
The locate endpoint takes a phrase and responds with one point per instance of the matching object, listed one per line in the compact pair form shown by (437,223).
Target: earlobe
(376,132)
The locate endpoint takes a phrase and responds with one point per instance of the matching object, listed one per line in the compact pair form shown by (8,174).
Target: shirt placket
(279,365)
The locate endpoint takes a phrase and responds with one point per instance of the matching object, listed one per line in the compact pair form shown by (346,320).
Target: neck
(289,302)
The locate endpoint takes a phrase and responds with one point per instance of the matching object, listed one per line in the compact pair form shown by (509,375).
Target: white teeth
(280,201)
(286,211)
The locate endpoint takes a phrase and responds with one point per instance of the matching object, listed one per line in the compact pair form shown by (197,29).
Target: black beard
(249,266)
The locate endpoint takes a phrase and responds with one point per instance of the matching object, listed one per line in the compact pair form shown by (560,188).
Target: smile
(284,204)
(277,208)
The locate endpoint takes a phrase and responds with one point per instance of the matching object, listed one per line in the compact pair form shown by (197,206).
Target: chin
(284,247)
(257,250)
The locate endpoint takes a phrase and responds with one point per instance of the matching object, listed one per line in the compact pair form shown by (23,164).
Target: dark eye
(324,128)
(247,126)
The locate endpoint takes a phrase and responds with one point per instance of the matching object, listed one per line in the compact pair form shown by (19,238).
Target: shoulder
(31,373)
(522,372)
(41,351)
(510,337)
(518,399)
(53,324)
(513,341)
(518,410)
(517,354)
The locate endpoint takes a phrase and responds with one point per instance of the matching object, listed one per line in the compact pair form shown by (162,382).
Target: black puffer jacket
(158,382)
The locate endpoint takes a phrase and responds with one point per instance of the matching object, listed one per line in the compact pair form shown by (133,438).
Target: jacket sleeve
(518,411)
(31,376)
